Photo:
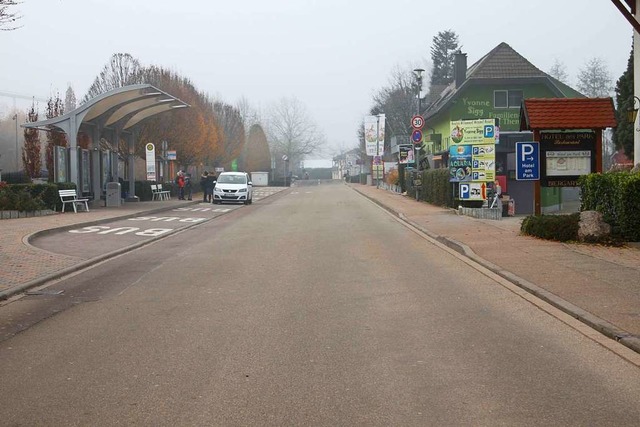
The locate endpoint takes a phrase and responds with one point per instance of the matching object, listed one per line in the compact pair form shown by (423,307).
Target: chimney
(459,68)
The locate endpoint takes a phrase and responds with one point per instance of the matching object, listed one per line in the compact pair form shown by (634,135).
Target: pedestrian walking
(203,186)
(180,184)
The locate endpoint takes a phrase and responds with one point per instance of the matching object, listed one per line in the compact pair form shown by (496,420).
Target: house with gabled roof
(491,88)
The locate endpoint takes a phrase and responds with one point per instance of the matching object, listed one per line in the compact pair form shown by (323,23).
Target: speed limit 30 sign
(417,122)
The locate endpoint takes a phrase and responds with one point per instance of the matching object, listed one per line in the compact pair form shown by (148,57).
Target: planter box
(482,213)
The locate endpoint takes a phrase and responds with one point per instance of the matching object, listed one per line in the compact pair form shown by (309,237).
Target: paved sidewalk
(597,284)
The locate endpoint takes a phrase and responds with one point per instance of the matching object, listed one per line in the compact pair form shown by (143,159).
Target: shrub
(20,200)
(38,196)
(562,228)
(393,178)
(616,195)
(436,188)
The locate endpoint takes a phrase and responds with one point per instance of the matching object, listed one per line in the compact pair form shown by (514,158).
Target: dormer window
(507,98)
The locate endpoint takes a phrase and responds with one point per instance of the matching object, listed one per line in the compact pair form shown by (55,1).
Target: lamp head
(632,111)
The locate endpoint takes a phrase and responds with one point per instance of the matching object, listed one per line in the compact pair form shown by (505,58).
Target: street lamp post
(15,117)
(418,73)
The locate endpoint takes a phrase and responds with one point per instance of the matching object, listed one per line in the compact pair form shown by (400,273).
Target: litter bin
(113,194)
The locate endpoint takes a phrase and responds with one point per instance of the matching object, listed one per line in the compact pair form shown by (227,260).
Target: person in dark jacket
(211,183)
(203,185)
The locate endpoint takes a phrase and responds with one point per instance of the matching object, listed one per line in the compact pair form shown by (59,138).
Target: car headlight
(242,190)
(217,190)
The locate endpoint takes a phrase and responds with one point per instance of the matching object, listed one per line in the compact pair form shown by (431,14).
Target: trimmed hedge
(617,196)
(32,197)
(436,188)
(562,228)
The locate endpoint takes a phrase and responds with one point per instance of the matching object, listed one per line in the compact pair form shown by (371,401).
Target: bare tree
(594,80)
(233,133)
(397,101)
(122,70)
(292,132)
(7,17)
(559,71)
(250,116)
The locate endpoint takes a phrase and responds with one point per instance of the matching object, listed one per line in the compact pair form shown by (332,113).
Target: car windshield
(232,179)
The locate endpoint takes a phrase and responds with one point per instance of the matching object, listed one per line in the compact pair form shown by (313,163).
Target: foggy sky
(332,55)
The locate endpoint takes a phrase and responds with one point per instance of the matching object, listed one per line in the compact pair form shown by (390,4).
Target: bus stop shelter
(114,114)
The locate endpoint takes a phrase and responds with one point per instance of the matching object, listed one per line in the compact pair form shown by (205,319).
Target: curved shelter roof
(121,108)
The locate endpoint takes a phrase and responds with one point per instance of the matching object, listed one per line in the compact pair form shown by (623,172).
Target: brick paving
(22,263)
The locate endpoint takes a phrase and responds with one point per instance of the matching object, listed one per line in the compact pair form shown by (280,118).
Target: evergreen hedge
(617,196)
(436,188)
(562,228)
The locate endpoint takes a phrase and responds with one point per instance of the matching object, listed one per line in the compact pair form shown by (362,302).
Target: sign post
(151,161)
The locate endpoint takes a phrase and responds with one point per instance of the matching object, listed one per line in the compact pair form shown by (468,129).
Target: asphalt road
(313,307)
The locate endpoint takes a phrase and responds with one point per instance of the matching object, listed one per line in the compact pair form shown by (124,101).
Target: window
(500,99)
(507,98)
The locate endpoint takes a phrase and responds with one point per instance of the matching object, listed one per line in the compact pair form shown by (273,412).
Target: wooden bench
(70,196)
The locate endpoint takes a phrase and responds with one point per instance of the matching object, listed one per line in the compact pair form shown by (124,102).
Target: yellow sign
(471,132)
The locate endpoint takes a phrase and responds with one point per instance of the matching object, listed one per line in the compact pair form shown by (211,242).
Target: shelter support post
(131,159)
(74,166)
(95,164)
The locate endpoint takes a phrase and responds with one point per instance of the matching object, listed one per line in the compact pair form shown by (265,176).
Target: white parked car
(233,187)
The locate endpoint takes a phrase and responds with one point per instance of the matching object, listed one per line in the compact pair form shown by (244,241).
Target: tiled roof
(502,62)
(567,113)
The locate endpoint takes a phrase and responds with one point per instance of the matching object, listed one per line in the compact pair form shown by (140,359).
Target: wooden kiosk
(569,131)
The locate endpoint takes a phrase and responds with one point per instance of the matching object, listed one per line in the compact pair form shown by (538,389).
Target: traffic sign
(417,122)
(416,136)
(472,191)
(527,161)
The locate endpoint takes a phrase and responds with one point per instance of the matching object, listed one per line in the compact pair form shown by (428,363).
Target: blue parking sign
(527,161)
(489,131)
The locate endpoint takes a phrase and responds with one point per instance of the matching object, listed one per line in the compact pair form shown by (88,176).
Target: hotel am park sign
(472,156)
(569,132)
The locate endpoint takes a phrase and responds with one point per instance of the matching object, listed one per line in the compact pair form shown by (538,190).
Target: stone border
(25,214)
(481,213)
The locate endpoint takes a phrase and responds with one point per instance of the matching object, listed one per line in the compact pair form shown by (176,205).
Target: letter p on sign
(527,151)
(465,191)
